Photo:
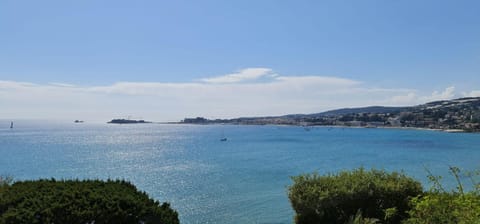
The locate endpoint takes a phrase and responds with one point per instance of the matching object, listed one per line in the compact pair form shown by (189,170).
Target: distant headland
(458,115)
(127,121)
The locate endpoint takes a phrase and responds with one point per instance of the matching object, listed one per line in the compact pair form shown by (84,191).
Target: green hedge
(74,201)
(335,198)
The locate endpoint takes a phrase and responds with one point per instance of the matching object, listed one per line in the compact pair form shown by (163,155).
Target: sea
(242,180)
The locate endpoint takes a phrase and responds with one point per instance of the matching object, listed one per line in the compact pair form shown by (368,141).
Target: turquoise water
(242,180)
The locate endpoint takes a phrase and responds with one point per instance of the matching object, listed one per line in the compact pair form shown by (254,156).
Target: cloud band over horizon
(247,92)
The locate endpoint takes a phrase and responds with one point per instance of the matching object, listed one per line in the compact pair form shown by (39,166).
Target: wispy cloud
(412,97)
(324,80)
(249,92)
(61,84)
(243,75)
(407,99)
(4,84)
(473,93)
(446,94)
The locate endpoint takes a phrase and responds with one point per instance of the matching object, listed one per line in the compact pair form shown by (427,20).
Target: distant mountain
(475,101)
(470,102)
(372,109)
(344,111)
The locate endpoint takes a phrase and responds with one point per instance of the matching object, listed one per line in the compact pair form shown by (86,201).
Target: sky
(96,60)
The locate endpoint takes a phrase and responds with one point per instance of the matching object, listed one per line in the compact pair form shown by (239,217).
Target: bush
(440,206)
(336,198)
(445,208)
(88,201)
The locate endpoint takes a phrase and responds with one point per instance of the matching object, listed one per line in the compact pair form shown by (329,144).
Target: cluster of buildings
(460,114)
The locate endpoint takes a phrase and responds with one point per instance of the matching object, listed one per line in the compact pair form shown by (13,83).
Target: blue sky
(55,52)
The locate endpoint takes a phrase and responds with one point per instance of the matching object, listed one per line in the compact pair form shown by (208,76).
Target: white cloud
(61,84)
(448,93)
(248,74)
(324,80)
(412,97)
(250,92)
(15,85)
(473,93)
(408,99)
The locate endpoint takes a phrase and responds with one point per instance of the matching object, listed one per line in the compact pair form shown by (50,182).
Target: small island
(127,121)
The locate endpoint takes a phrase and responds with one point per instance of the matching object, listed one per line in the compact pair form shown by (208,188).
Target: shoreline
(399,128)
(339,126)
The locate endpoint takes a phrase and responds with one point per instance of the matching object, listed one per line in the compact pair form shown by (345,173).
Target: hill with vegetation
(371,109)
(375,196)
(461,114)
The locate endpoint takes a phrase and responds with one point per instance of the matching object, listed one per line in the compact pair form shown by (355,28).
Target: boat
(78,121)
(223,138)
(11,124)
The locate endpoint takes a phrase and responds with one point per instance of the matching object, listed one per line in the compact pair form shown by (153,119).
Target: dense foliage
(445,208)
(440,206)
(74,201)
(335,198)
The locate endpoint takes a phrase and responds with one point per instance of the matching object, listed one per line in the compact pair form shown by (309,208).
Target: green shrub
(445,208)
(439,206)
(335,198)
(88,201)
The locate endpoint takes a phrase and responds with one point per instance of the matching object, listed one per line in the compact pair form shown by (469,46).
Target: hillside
(372,109)
(461,114)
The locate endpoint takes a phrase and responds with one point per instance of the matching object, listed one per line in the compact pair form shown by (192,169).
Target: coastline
(400,128)
(333,126)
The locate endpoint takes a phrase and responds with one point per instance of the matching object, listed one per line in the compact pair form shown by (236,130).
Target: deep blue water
(242,180)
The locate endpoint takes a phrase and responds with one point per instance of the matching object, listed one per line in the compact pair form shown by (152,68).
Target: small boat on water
(78,121)
(11,124)
(223,138)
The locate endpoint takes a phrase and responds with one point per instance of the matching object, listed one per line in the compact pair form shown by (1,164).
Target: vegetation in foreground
(335,198)
(75,201)
(349,197)
(438,205)
(376,196)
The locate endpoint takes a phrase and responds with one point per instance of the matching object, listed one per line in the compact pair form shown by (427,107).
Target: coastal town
(458,115)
